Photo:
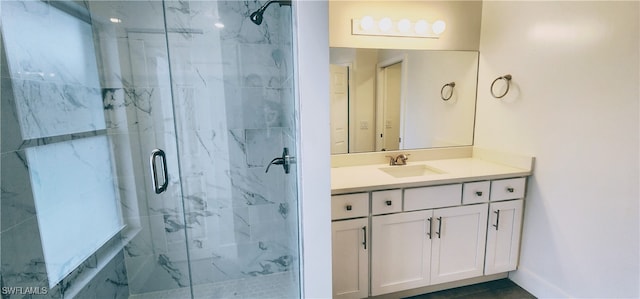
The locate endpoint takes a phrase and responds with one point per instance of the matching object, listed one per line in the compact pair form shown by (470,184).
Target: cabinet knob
(349,207)
(388,202)
(510,189)
(478,193)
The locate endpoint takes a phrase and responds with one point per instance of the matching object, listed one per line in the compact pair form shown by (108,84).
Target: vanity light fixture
(367,25)
(421,27)
(404,26)
(385,25)
(438,27)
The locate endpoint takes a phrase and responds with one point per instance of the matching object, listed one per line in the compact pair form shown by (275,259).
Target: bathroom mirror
(390,99)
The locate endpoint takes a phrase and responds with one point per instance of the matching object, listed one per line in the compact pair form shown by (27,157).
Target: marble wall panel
(143,15)
(49,109)
(24,266)
(17,203)
(142,251)
(261,64)
(22,257)
(39,53)
(196,58)
(229,262)
(119,105)
(73,185)
(148,59)
(110,282)
(51,84)
(262,146)
(10,128)
(162,273)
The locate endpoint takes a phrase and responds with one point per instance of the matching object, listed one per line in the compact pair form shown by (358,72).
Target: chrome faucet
(401,159)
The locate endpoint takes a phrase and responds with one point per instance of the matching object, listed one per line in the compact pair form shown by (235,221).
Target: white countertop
(361,178)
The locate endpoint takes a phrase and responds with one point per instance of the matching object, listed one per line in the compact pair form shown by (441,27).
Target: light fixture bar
(401,28)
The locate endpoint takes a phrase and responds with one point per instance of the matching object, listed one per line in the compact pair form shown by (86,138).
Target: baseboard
(442,286)
(536,285)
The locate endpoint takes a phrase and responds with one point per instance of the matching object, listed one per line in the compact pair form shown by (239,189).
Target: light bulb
(404,25)
(366,23)
(421,27)
(385,25)
(218,25)
(438,27)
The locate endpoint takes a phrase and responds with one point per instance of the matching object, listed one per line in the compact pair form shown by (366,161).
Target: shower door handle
(285,161)
(157,187)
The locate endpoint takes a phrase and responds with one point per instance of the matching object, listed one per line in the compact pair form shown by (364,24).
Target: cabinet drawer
(432,197)
(475,192)
(385,202)
(507,189)
(349,206)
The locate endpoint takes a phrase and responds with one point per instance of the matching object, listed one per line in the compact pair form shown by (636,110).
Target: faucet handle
(403,159)
(392,160)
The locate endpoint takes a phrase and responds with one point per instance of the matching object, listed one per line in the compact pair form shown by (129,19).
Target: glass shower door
(138,102)
(235,113)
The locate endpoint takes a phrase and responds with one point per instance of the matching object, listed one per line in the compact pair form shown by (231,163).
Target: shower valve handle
(285,161)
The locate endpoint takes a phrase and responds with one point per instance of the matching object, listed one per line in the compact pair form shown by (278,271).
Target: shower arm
(281,2)
(256,16)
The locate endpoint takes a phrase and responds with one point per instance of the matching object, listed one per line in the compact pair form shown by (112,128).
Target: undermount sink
(410,170)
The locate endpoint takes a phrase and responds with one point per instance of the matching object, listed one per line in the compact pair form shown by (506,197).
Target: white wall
(312,87)
(574,106)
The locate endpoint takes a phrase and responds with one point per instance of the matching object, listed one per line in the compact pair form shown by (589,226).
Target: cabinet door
(458,243)
(350,258)
(503,236)
(401,249)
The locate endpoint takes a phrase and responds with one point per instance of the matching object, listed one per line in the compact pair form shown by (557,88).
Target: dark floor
(497,289)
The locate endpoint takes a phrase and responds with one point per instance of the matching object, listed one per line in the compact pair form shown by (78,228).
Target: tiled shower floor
(280,285)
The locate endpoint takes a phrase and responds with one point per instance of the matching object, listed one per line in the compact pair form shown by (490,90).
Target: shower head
(256,16)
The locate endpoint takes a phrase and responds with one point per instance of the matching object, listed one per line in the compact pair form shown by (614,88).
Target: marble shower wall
(48,108)
(235,113)
(227,112)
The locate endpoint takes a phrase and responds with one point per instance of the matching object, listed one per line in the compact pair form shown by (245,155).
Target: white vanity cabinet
(503,236)
(400,251)
(350,245)
(505,225)
(425,236)
(421,248)
(458,243)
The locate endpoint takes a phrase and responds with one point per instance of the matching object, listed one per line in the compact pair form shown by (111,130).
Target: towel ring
(506,78)
(446,98)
